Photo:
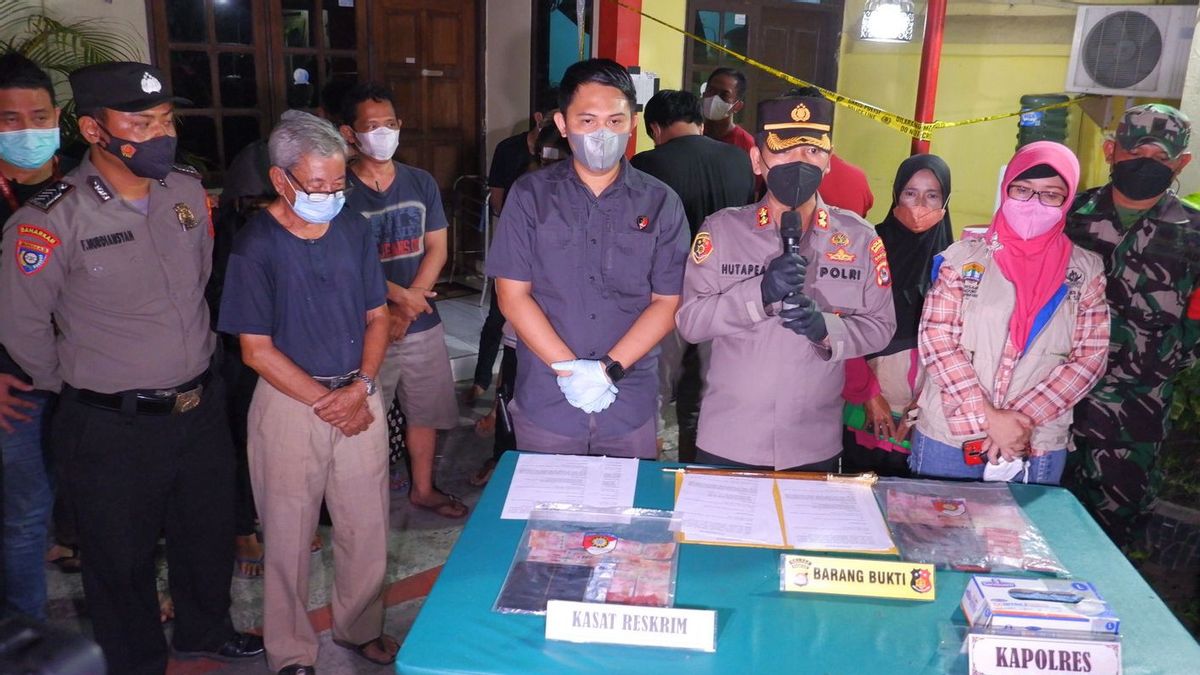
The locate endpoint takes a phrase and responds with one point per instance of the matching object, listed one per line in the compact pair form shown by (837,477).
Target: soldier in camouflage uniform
(1150,242)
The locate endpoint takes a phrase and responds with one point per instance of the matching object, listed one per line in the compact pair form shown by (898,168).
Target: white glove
(587,386)
(1005,470)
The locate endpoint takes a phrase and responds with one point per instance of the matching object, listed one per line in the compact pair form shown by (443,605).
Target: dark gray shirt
(593,263)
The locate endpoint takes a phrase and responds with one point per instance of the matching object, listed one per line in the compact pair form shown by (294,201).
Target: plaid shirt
(940,343)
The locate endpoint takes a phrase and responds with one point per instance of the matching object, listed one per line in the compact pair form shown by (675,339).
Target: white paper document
(570,479)
(828,515)
(730,509)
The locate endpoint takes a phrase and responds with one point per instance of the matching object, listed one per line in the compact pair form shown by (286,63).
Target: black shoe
(298,670)
(240,646)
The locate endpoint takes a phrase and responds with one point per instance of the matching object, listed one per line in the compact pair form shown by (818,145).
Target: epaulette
(188,170)
(50,195)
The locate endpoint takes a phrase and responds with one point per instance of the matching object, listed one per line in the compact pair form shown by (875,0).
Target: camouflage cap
(1155,123)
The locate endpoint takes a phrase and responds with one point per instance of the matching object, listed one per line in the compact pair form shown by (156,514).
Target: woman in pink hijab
(1014,332)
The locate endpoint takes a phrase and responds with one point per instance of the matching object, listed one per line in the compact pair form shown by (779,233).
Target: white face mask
(715,108)
(379,144)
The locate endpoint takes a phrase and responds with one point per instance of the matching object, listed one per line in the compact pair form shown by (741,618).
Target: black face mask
(1142,178)
(794,183)
(147,159)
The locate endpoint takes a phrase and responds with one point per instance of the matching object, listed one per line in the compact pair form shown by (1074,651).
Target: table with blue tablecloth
(760,628)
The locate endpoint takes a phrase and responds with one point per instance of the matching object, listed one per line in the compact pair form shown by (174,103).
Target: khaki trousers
(295,460)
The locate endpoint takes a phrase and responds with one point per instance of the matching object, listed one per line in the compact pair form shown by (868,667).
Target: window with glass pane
(234,21)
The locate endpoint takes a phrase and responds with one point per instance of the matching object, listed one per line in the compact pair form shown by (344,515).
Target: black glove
(805,319)
(783,276)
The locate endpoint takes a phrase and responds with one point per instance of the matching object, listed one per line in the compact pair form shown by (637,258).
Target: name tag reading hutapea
(995,654)
(628,625)
(851,576)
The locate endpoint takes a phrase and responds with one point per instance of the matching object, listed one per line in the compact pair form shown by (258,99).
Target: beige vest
(987,304)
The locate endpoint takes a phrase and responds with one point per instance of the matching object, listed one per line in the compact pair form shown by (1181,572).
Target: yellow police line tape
(919,130)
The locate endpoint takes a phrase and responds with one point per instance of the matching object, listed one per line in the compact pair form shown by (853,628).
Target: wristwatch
(370,383)
(615,371)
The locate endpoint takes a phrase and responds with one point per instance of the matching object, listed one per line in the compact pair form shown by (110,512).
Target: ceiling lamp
(888,21)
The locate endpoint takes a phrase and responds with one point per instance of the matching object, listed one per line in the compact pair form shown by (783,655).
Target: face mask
(379,144)
(147,159)
(1032,218)
(1142,178)
(600,150)
(794,183)
(28,148)
(313,211)
(715,108)
(918,219)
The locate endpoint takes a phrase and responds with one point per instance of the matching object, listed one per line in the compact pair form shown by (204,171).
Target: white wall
(127,14)
(1189,180)
(508,26)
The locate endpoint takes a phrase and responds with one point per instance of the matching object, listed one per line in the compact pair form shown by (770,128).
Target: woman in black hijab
(916,229)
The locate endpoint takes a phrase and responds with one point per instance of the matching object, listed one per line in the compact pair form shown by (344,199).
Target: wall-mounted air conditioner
(1131,50)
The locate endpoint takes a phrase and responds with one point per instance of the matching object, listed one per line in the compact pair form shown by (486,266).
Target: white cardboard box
(1038,604)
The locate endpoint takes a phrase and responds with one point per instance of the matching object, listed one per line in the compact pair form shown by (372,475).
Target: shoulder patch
(49,196)
(32,256)
(99,188)
(187,170)
(702,247)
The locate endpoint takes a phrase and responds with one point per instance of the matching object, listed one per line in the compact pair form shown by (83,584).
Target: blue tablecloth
(760,629)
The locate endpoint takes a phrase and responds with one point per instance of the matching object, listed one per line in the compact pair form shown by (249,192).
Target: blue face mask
(317,208)
(28,148)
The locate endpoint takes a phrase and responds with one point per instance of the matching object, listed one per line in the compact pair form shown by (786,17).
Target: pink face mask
(1030,219)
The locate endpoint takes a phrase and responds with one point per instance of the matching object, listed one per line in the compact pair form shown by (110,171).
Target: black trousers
(131,478)
(490,338)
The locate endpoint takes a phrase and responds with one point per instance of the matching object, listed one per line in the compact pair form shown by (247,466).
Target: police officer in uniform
(118,253)
(782,319)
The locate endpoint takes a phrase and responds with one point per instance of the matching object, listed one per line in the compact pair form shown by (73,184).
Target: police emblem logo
(822,219)
(883,275)
(801,113)
(841,255)
(127,150)
(150,83)
(702,247)
(186,218)
(32,257)
(764,217)
(839,239)
(643,222)
(1074,277)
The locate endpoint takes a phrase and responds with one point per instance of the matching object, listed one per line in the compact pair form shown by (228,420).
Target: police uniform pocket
(837,288)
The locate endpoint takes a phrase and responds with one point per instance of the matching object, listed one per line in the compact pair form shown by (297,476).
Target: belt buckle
(187,400)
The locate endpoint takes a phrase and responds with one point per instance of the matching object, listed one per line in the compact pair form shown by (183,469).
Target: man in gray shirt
(118,253)
(589,259)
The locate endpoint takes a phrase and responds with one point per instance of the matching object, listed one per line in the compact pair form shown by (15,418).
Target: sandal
(452,508)
(68,563)
(385,643)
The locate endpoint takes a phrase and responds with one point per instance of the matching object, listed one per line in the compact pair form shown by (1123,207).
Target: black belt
(173,401)
(337,381)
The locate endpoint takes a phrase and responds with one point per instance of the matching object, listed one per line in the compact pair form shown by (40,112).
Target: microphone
(789,232)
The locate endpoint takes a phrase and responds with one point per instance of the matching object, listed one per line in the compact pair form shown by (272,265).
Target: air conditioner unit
(1131,50)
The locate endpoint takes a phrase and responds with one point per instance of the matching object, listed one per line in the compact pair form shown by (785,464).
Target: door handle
(425,72)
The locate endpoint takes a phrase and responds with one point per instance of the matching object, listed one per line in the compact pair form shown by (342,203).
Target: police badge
(186,218)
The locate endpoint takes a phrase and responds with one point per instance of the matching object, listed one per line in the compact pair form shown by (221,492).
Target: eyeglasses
(313,196)
(1024,194)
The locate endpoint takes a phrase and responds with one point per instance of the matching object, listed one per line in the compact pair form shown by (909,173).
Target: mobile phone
(973,452)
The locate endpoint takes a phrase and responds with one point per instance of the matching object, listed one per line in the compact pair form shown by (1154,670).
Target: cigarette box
(1038,604)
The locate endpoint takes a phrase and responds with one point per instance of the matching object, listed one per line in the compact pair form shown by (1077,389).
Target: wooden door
(801,39)
(426,52)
